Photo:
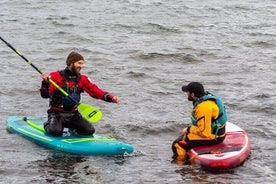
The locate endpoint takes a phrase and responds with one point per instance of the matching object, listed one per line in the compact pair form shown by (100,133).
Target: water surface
(143,51)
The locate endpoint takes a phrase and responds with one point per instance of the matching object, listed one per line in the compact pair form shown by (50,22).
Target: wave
(170,57)
(153,128)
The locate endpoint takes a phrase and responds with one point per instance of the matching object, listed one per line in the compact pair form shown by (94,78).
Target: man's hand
(44,76)
(116,99)
(185,131)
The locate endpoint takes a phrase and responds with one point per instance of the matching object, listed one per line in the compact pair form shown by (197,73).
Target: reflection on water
(197,175)
(61,168)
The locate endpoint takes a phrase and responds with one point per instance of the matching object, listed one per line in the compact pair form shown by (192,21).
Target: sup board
(229,154)
(32,129)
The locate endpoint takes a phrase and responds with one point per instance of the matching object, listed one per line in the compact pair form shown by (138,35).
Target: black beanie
(73,57)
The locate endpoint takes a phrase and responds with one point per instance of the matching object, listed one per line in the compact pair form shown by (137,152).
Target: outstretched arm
(94,91)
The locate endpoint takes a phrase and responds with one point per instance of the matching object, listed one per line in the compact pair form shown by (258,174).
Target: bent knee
(53,132)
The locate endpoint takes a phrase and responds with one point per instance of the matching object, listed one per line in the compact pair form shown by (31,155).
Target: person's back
(204,112)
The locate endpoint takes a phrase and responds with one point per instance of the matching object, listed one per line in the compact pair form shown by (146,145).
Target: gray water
(142,51)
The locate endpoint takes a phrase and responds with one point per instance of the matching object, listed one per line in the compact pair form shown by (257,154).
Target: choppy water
(143,51)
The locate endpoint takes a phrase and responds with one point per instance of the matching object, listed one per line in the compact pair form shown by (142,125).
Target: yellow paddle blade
(90,113)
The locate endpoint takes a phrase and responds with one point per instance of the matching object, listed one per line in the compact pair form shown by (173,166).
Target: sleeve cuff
(44,84)
(108,97)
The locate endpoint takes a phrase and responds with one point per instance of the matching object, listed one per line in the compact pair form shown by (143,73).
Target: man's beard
(190,98)
(76,70)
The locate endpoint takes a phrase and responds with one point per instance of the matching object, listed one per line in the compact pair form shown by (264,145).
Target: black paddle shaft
(29,62)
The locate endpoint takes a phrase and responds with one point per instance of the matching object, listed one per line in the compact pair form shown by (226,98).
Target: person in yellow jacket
(208,122)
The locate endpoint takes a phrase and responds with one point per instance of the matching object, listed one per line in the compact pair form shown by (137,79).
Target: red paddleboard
(231,153)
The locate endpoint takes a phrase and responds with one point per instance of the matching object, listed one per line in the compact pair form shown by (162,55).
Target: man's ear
(193,96)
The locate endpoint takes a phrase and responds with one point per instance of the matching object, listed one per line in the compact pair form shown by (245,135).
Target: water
(143,51)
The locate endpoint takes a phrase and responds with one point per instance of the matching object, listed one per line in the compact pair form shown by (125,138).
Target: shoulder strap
(66,77)
(62,73)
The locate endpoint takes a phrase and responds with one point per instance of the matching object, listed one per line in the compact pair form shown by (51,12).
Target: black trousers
(187,144)
(57,121)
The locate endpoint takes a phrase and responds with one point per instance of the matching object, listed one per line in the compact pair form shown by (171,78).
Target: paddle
(90,113)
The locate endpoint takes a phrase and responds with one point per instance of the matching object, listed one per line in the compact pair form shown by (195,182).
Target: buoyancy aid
(59,100)
(221,120)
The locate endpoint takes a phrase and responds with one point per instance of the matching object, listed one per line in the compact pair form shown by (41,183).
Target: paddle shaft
(30,63)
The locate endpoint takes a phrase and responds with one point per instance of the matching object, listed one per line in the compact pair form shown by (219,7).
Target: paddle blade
(90,113)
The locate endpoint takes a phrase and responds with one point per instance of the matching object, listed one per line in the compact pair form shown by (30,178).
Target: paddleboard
(229,154)
(32,129)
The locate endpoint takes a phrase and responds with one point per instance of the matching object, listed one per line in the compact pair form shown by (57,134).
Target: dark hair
(194,87)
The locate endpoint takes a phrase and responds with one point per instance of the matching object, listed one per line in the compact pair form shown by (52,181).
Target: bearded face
(191,96)
(76,66)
